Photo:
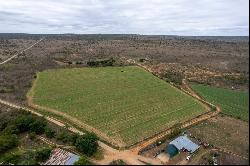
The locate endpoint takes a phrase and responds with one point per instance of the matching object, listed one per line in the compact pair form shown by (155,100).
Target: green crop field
(233,103)
(126,103)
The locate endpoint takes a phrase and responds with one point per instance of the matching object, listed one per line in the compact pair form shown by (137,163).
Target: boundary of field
(104,137)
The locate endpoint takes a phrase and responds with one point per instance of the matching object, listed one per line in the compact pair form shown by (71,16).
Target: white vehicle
(188,157)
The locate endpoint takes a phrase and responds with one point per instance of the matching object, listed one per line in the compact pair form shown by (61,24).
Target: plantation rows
(233,103)
(127,105)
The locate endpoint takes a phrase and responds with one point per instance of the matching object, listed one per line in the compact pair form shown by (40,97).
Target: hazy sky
(169,17)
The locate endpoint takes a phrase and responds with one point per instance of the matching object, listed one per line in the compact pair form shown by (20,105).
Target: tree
(12,158)
(63,136)
(49,132)
(23,122)
(42,154)
(73,138)
(175,77)
(38,126)
(87,143)
(7,142)
(32,135)
(83,161)
(11,129)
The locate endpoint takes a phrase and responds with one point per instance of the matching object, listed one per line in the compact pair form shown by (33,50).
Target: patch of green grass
(233,103)
(126,103)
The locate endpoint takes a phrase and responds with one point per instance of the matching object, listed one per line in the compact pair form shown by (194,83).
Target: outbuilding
(182,143)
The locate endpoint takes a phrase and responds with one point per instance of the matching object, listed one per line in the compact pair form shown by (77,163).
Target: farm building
(181,143)
(61,157)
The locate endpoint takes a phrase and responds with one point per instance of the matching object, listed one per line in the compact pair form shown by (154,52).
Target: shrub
(42,154)
(7,89)
(174,77)
(23,122)
(28,158)
(49,132)
(87,144)
(11,129)
(73,138)
(32,135)
(11,158)
(7,142)
(141,60)
(103,63)
(63,136)
(175,132)
(38,126)
(83,161)
(213,108)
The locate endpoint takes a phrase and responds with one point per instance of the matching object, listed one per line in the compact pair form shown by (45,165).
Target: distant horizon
(147,17)
(116,34)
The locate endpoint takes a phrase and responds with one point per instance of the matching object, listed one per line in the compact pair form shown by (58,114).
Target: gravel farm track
(130,156)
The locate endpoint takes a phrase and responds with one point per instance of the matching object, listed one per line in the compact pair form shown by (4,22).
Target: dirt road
(14,56)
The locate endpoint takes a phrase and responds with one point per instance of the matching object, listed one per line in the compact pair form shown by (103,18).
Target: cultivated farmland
(126,103)
(233,103)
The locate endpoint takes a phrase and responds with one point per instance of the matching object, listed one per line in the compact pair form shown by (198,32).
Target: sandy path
(14,56)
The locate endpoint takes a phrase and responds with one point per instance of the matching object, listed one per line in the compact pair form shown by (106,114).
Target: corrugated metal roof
(72,159)
(183,142)
(61,157)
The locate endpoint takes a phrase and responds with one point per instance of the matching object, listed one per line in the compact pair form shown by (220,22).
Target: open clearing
(126,103)
(233,103)
(224,132)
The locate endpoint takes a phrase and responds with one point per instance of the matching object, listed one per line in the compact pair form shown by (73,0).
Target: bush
(63,136)
(67,137)
(175,132)
(42,154)
(32,135)
(141,60)
(87,144)
(174,77)
(7,142)
(11,158)
(241,80)
(7,89)
(11,129)
(38,126)
(73,138)
(28,158)
(23,123)
(49,132)
(83,161)
(213,108)
(101,63)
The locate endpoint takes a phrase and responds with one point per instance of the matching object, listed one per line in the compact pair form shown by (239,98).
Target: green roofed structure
(172,150)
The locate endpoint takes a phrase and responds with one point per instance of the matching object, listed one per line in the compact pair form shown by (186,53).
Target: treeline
(101,63)
(13,124)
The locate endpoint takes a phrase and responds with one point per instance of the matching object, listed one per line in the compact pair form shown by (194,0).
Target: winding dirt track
(14,56)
